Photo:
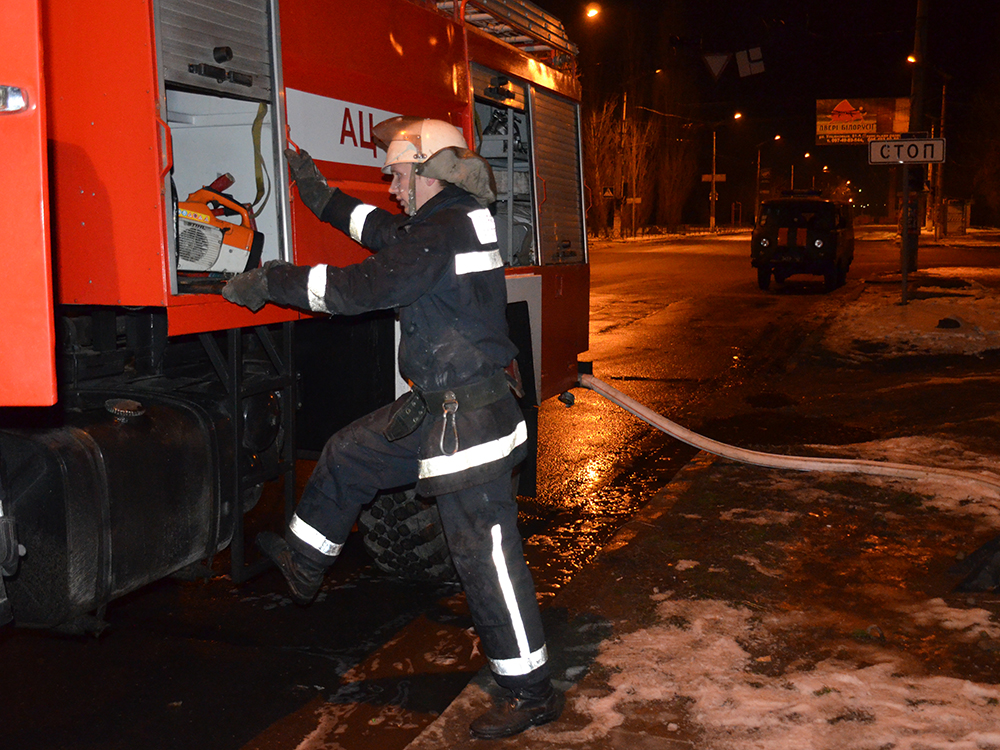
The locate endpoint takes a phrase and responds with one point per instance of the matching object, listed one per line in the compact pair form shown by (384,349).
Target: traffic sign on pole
(916,151)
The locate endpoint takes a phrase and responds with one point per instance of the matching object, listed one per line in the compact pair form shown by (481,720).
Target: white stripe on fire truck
(358,216)
(477,455)
(313,538)
(316,288)
(481,260)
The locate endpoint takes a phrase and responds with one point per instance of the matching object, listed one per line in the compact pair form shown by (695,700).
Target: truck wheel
(842,273)
(405,537)
(764,277)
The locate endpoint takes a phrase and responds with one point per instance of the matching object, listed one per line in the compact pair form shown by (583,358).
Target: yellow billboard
(860,120)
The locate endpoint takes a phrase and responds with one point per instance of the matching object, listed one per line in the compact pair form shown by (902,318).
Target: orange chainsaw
(207,243)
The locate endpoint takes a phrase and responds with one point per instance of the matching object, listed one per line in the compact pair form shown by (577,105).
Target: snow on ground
(873,697)
(877,322)
(696,653)
(951,494)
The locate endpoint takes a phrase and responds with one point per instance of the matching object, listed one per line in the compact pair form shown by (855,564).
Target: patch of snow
(970,623)
(754,563)
(758,517)
(695,653)
(949,493)
(877,322)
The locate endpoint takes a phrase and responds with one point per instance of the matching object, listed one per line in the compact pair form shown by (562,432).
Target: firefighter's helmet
(438,150)
(413,140)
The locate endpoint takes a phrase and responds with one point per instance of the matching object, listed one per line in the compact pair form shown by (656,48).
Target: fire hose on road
(776,461)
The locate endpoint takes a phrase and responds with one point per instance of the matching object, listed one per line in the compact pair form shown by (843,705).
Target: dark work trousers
(480,525)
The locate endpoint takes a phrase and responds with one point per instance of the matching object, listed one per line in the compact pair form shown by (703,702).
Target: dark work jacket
(442,271)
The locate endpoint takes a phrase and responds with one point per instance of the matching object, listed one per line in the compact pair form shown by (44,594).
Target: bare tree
(985,181)
(601,160)
(638,158)
(677,170)
(629,146)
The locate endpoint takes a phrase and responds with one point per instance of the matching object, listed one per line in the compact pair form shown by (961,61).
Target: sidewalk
(755,608)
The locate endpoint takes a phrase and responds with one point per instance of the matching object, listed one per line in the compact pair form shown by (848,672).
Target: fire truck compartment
(215,135)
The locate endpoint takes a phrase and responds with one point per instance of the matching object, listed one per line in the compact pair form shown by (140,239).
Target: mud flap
(8,563)
(9,553)
(6,614)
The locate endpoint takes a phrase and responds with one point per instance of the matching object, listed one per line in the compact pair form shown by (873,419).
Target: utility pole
(940,206)
(711,218)
(916,173)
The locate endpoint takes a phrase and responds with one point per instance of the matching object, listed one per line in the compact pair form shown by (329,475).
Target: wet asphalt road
(681,327)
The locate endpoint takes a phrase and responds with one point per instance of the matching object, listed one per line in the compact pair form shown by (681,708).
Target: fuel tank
(125,491)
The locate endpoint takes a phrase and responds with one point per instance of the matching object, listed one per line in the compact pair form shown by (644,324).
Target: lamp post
(936,176)
(939,204)
(910,244)
(713,197)
(791,182)
(756,201)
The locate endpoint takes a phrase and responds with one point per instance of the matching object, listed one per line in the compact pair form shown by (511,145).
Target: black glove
(250,288)
(313,188)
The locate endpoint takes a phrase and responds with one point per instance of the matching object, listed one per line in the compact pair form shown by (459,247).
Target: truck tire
(405,537)
(764,277)
(831,274)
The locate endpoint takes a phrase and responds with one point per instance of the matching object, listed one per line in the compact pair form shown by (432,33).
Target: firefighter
(459,433)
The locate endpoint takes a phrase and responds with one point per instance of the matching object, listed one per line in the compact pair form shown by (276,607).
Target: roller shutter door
(556,152)
(198,32)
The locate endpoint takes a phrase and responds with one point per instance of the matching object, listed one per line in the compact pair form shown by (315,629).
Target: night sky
(811,50)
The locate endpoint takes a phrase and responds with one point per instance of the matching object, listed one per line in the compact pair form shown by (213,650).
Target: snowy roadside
(948,311)
(732,672)
(878,656)
(843,630)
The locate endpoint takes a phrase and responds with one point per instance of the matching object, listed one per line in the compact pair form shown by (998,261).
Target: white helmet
(414,140)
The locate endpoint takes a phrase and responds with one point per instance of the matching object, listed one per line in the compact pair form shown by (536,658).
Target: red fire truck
(141,142)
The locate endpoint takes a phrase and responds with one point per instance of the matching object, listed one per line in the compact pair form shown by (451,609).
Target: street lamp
(712,197)
(756,202)
(791,185)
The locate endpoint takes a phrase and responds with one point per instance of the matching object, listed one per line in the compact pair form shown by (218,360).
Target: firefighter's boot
(522,708)
(304,576)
